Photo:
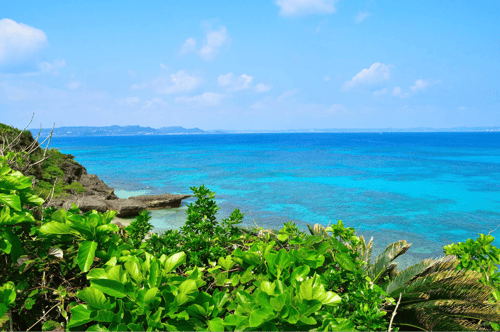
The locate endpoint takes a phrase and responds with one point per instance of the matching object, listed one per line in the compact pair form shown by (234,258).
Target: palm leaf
(393,251)
(365,250)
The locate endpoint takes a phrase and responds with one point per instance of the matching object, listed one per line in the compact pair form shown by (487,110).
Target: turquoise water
(428,188)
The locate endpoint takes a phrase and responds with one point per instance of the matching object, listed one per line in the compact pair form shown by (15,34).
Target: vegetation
(67,270)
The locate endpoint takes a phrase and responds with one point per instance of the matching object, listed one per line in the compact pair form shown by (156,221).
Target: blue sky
(261,64)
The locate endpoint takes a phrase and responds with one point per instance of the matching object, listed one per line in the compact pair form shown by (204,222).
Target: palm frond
(403,277)
(365,250)
(393,251)
(317,229)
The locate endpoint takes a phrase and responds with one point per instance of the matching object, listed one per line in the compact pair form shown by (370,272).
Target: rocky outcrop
(100,197)
(161,201)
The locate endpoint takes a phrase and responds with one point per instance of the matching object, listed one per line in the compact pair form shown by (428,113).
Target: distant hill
(116,131)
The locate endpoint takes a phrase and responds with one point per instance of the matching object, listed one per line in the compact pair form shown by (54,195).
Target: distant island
(116,131)
(176,130)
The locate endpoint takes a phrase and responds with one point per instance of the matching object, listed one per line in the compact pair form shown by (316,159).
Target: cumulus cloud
(305,7)
(379,93)
(420,85)
(19,42)
(212,43)
(261,87)
(205,99)
(73,85)
(397,92)
(361,17)
(232,83)
(326,78)
(376,74)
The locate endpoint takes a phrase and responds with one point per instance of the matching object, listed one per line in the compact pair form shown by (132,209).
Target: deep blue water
(428,188)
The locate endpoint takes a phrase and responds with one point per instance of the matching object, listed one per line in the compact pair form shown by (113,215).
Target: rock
(161,201)
(95,186)
(87,203)
(126,207)
(73,171)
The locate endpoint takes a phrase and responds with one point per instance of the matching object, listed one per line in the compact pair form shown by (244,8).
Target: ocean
(430,189)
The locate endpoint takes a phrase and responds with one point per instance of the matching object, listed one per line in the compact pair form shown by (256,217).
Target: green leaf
(133,269)
(54,227)
(216,325)
(257,317)
(149,295)
(97,328)
(16,248)
(110,287)
(80,315)
(154,276)
(345,261)
(86,254)
(174,261)
(94,297)
(185,288)
(11,200)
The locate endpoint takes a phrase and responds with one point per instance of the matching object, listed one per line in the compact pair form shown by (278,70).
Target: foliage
(81,272)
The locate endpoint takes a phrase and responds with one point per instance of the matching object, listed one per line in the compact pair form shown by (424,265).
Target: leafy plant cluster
(79,271)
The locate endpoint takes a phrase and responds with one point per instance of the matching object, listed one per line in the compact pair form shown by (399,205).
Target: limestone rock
(126,207)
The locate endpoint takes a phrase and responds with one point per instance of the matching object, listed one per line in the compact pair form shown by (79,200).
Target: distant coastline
(142,131)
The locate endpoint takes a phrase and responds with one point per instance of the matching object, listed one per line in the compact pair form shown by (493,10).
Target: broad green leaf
(110,287)
(227,263)
(133,269)
(345,261)
(108,228)
(97,274)
(154,275)
(86,254)
(16,249)
(258,316)
(54,227)
(97,328)
(185,288)
(174,261)
(267,287)
(80,315)
(216,325)
(149,295)
(11,200)
(94,297)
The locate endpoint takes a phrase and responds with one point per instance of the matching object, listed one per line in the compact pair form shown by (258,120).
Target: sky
(250,65)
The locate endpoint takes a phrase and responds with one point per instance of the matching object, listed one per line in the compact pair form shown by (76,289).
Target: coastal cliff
(62,181)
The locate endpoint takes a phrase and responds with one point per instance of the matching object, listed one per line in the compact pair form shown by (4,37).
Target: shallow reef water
(428,188)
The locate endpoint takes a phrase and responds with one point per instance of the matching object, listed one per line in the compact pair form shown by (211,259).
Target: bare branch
(394,313)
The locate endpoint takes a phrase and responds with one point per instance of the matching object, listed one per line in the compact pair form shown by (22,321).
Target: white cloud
(287,95)
(178,82)
(162,66)
(361,17)
(73,85)
(232,83)
(156,102)
(261,87)
(19,41)
(213,41)
(52,67)
(139,86)
(420,85)
(205,99)
(189,46)
(129,101)
(397,92)
(379,93)
(304,7)
(377,73)
(326,79)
